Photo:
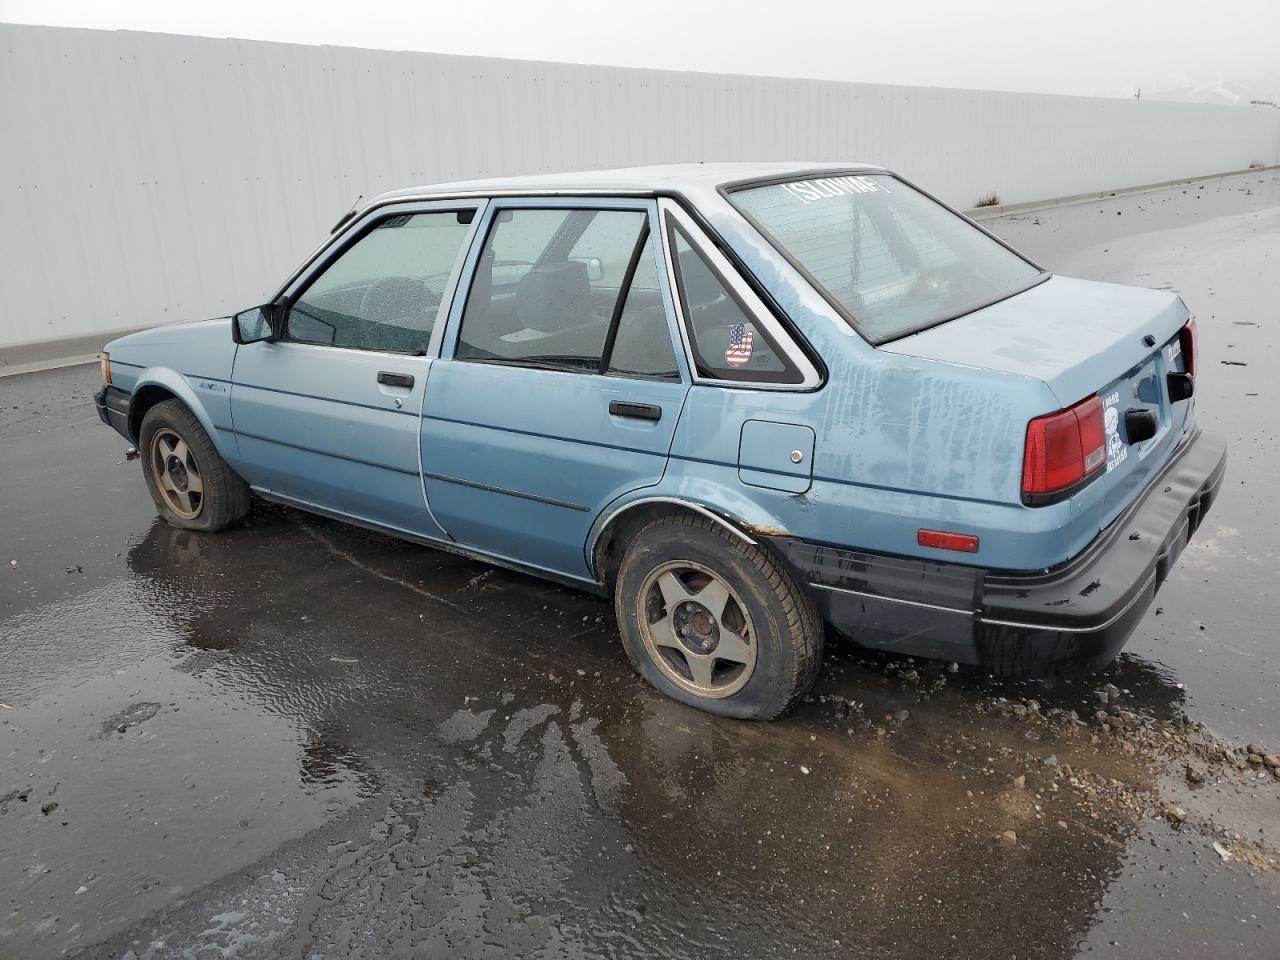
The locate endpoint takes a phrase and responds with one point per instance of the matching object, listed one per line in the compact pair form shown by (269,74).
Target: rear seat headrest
(701,286)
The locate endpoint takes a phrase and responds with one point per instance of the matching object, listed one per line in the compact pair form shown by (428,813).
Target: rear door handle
(638,411)
(396,379)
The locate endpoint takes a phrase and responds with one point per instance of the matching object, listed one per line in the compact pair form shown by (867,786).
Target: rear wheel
(715,622)
(192,486)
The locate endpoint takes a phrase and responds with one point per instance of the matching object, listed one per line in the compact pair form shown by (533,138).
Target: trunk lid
(1082,339)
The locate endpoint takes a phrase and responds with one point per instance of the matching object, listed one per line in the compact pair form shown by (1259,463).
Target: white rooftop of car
(671,176)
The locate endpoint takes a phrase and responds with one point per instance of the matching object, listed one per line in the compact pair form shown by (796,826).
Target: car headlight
(106,367)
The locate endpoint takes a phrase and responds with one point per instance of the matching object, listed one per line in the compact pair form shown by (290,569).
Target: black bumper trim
(1079,613)
(113,409)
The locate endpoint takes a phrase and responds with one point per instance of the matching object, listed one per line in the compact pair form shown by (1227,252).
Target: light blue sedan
(748,401)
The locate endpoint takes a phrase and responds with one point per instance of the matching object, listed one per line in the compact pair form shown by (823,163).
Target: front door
(558,387)
(327,415)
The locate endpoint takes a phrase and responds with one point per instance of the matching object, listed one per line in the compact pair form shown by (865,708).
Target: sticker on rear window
(738,353)
(1116,449)
(809,191)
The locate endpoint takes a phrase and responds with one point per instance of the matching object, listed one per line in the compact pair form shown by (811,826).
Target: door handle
(638,411)
(396,379)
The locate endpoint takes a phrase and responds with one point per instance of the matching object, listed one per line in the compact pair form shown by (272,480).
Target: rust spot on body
(766,530)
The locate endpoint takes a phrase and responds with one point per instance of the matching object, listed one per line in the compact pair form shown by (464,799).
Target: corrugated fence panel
(148,178)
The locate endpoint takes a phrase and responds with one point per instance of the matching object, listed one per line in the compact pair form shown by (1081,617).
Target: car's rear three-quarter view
(751,402)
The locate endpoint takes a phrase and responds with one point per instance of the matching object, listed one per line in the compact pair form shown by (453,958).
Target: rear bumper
(113,409)
(1078,614)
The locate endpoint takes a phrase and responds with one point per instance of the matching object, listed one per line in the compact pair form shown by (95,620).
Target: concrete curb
(59,352)
(1004,209)
(17,369)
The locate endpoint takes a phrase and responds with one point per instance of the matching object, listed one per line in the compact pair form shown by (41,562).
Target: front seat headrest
(554,296)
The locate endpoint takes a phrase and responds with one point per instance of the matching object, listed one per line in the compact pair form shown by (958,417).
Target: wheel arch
(612,529)
(158,384)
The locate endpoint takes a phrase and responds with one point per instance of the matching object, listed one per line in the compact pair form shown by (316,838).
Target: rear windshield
(892,258)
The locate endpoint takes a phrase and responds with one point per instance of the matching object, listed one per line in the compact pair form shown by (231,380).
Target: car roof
(671,177)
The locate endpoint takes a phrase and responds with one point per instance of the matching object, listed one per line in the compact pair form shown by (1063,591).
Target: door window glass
(547,286)
(727,344)
(642,346)
(384,292)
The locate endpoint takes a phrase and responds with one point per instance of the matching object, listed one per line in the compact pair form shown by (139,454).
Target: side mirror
(253,325)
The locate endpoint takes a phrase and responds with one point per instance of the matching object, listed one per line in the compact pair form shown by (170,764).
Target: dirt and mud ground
(304,740)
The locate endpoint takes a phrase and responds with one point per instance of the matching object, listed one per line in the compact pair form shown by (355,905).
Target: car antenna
(347,216)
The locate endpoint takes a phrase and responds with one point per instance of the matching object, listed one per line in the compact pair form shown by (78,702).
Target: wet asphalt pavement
(299,739)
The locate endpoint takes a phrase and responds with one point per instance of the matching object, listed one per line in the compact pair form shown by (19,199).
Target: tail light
(1187,341)
(1065,451)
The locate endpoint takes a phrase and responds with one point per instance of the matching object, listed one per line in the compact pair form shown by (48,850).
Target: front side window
(890,258)
(384,292)
(572,290)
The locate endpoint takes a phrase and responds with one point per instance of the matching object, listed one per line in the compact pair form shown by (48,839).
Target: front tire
(715,622)
(192,486)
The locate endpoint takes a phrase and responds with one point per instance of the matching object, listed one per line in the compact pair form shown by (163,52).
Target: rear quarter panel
(901,442)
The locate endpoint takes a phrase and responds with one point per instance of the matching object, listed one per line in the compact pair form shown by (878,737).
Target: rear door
(558,387)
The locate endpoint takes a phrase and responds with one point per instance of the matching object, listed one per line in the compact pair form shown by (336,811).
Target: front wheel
(192,486)
(715,622)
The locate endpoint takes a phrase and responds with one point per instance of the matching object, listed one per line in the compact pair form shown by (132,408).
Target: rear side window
(890,258)
(568,290)
(727,344)
(384,292)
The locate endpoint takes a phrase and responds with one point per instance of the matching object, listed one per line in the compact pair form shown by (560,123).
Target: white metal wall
(146,178)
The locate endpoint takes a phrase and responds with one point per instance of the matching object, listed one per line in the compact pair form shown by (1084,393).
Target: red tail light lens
(1064,450)
(1187,340)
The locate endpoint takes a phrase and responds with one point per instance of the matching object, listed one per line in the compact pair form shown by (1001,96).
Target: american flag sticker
(738,353)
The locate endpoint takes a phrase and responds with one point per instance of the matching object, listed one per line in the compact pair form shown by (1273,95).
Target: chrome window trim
(481,197)
(758,311)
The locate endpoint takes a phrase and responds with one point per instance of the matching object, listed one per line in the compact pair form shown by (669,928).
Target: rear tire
(715,622)
(192,486)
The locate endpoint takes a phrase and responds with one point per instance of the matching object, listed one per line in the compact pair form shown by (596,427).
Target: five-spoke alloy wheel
(696,629)
(176,473)
(715,621)
(192,486)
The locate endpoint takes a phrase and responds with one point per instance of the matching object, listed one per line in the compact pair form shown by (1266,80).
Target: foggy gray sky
(1175,49)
